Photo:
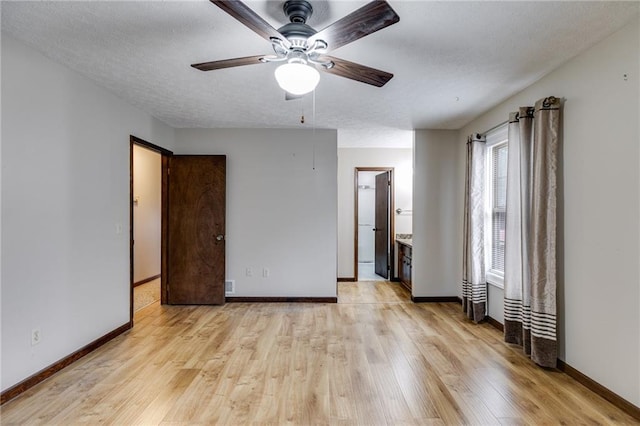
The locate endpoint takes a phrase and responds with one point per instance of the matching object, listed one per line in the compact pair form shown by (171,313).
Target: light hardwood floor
(373,358)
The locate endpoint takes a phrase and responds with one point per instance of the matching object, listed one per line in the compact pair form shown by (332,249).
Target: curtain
(530,242)
(474,283)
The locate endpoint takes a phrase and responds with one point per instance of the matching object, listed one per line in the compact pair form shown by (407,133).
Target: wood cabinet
(404,265)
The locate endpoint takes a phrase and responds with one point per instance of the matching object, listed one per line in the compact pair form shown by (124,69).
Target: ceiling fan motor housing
(297,31)
(294,30)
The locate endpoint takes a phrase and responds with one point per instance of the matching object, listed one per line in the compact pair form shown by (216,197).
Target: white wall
(65,190)
(147,213)
(599,229)
(281,212)
(375,137)
(349,158)
(438,198)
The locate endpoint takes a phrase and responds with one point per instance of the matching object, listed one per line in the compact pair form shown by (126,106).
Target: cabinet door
(408,255)
(399,270)
(406,271)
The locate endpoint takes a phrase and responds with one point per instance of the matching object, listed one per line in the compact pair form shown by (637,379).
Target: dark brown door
(196,243)
(382,225)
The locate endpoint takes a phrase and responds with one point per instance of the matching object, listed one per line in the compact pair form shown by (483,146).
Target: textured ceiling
(452,60)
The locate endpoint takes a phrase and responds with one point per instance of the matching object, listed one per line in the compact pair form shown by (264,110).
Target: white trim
(495,278)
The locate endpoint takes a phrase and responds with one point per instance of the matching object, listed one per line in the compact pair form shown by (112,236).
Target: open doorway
(374,223)
(148,164)
(147,215)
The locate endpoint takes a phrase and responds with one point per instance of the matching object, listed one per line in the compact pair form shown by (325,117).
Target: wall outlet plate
(36,336)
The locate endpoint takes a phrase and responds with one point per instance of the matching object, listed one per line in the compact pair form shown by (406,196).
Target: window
(496,203)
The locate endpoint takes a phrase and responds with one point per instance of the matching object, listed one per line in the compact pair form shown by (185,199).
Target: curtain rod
(495,127)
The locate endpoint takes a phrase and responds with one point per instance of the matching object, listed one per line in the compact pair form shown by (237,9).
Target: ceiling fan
(303,50)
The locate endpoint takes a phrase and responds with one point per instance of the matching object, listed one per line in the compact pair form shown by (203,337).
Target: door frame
(391,235)
(165,155)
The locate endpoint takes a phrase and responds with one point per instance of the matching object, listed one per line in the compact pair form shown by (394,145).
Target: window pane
(499,203)
(498,231)
(500,176)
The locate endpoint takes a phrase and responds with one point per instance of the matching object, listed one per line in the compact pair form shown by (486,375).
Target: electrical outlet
(265,273)
(249,272)
(36,336)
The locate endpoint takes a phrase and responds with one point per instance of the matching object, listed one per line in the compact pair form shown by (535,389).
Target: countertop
(408,243)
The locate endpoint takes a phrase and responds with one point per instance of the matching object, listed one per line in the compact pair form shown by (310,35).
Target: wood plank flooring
(374,358)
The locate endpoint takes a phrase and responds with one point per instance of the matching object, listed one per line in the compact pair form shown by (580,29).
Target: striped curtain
(474,283)
(530,242)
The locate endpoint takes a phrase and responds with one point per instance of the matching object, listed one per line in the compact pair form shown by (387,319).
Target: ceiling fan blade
(249,18)
(356,72)
(368,19)
(228,63)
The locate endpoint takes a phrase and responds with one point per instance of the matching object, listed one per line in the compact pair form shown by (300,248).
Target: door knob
(219,237)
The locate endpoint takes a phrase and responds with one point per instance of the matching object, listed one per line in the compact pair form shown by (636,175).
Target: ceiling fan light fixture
(297,78)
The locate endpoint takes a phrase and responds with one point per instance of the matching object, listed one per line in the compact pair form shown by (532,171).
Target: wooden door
(196,234)
(382,225)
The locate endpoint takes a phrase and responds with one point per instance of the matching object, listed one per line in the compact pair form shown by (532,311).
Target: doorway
(374,223)
(147,216)
(147,206)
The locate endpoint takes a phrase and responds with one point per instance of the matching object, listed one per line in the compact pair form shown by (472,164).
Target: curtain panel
(474,283)
(530,244)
